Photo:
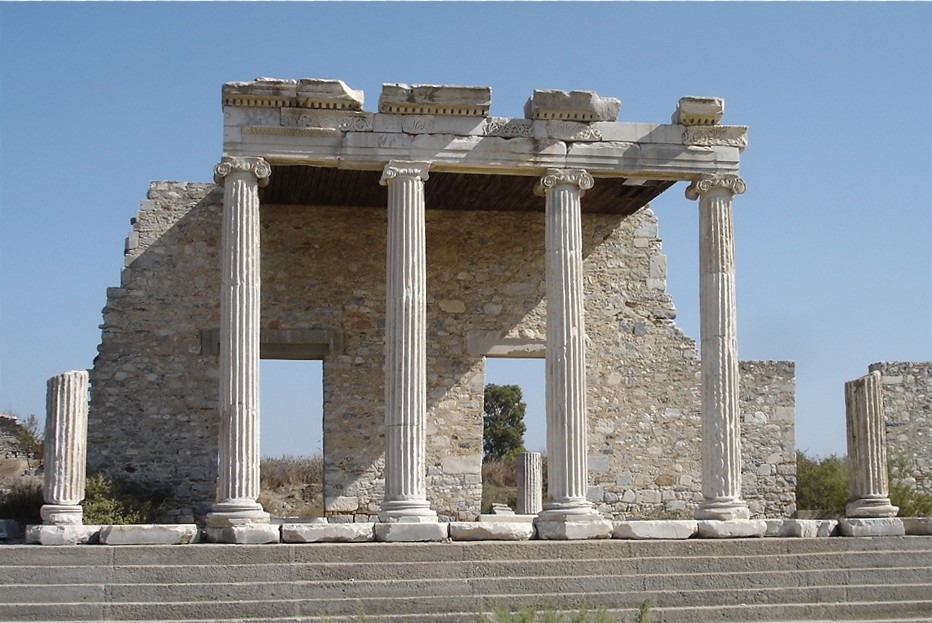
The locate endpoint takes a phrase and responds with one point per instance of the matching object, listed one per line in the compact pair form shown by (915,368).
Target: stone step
(429,586)
(736,607)
(839,562)
(205,554)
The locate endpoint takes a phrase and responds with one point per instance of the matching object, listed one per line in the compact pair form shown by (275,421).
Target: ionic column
(239,343)
(529,485)
(867,449)
(568,478)
(721,428)
(65,448)
(405,346)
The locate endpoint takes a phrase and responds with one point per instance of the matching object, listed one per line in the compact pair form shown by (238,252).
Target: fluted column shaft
(239,338)
(65,447)
(867,448)
(721,427)
(566,335)
(529,500)
(405,346)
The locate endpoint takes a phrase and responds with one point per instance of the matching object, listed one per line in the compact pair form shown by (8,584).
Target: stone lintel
(693,110)
(880,526)
(411,532)
(149,534)
(571,106)
(247,534)
(731,528)
(435,99)
(492,344)
(328,532)
(655,529)
(328,95)
(478,154)
(297,344)
(572,530)
(491,531)
(69,534)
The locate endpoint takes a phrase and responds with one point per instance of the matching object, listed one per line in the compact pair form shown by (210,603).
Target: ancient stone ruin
(403,248)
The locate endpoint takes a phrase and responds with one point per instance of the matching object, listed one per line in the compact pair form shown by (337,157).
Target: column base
(871,507)
(572,520)
(407,511)
(232,513)
(723,509)
(62,514)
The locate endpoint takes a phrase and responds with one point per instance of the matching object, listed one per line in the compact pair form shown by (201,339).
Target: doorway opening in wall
(499,484)
(291,404)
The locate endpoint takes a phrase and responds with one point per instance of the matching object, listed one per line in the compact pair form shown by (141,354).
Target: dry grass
(292,486)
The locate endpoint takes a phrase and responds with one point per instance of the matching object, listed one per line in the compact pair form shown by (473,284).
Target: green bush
(903,492)
(822,484)
(110,501)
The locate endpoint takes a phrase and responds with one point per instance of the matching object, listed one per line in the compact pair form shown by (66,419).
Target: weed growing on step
(110,501)
(527,614)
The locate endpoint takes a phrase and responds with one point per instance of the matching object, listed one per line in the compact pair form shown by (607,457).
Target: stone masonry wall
(907,408)
(154,389)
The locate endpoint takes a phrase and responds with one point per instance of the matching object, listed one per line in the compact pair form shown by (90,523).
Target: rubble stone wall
(907,407)
(154,385)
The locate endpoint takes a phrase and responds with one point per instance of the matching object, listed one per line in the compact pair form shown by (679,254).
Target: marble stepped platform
(753,579)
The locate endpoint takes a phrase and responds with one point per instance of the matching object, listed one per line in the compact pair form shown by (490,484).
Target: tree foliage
(503,421)
(30,441)
(822,484)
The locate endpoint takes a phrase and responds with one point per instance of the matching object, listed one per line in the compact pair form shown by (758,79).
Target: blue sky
(833,237)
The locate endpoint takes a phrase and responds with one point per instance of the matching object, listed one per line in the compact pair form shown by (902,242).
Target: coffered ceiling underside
(322,186)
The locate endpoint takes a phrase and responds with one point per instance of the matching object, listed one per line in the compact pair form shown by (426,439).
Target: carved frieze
(344,122)
(716,135)
(262,130)
(506,127)
(419,124)
(572,131)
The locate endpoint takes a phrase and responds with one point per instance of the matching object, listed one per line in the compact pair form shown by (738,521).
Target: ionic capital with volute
(400,169)
(257,166)
(726,181)
(552,178)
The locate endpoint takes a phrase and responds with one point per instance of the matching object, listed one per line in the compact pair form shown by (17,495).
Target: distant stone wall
(154,385)
(9,444)
(907,406)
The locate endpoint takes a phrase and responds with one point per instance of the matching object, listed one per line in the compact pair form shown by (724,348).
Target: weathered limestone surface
(62,534)
(327,532)
(867,449)
(907,414)
(660,529)
(871,526)
(65,448)
(567,529)
(491,531)
(731,528)
(412,532)
(249,533)
(641,374)
(571,105)
(169,534)
(801,528)
(530,493)
(917,525)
